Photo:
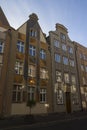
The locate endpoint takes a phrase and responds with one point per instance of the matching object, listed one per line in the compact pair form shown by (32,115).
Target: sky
(70,13)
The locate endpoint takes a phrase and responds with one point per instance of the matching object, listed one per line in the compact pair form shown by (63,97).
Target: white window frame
(32,71)
(32,50)
(20,46)
(19,67)
(43,95)
(1,47)
(43,54)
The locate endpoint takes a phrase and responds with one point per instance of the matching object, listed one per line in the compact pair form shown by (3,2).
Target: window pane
(57,57)
(56,43)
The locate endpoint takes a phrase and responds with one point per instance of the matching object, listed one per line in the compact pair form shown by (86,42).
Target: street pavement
(50,121)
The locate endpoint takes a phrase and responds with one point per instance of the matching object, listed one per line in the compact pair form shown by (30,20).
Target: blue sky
(70,13)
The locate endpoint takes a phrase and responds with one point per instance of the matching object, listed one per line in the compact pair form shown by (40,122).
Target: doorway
(68,102)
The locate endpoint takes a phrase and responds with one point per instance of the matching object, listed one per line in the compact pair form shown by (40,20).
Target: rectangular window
(66,78)
(59,96)
(62,36)
(65,60)
(57,58)
(43,73)
(73,79)
(19,67)
(33,33)
(17,93)
(32,50)
(84,80)
(20,46)
(32,71)
(70,49)
(42,95)
(0,64)
(58,76)
(82,67)
(1,47)
(56,43)
(42,54)
(86,68)
(72,63)
(64,48)
(31,93)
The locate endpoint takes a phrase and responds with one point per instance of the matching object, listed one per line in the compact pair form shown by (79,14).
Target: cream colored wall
(42,39)
(3,29)
(21,108)
(22,29)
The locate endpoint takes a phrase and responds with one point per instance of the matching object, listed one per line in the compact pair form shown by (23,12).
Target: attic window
(33,33)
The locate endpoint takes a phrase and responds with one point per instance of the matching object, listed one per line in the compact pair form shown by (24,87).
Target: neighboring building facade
(81,56)
(65,87)
(7,54)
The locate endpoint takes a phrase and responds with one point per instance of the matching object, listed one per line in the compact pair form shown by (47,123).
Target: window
(43,73)
(20,46)
(64,47)
(31,93)
(70,49)
(33,33)
(71,63)
(62,36)
(32,50)
(59,97)
(58,76)
(32,71)
(73,79)
(17,93)
(57,57)
(1,47)
(65,60)
(66,78)
(0,64)
(56,43)
(81,55)
(84,80)
(43,95)
(42,54)
(86,68)
(19,67)
(82,67)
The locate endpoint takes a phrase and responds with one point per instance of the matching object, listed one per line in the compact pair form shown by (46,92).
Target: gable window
(64,47)
(70,49)
(33,33)
(32,71)
(56,43)
(20,46)
(1,47)
(62,36)
(32,50)
(65,60)
(57,58)
(43,95)
(19,67)
(42,54)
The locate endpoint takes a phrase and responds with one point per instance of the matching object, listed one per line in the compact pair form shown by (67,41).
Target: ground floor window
(43,95)
(59,96)
(31,93)
(17,94)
